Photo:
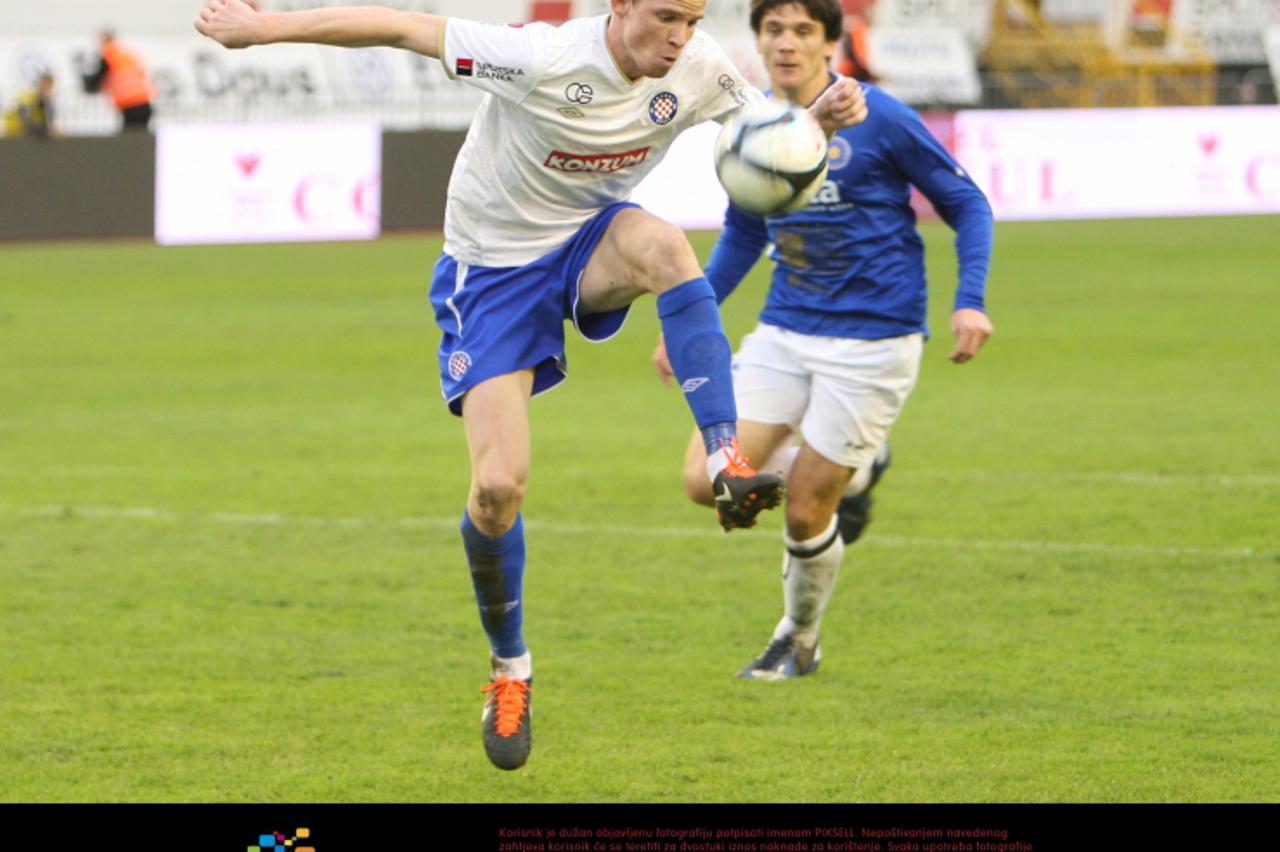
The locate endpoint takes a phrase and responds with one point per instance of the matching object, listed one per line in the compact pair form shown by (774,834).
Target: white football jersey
(562,132)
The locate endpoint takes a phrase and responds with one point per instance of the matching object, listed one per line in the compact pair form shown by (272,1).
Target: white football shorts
(841,395)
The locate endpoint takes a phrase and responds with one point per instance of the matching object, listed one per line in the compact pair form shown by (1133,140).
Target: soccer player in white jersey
(538,231)
(838,347)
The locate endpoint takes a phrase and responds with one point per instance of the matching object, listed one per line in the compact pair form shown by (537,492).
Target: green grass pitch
(230,570)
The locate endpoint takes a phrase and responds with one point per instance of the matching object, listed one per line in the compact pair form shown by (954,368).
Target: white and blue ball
(772,158)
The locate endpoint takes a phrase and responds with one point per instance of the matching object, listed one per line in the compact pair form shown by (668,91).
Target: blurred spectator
(122,74)
(854,56)
(32,111)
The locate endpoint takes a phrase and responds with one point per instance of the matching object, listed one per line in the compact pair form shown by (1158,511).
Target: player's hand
(661,363)
(971,328)
(841,105)
(231,23)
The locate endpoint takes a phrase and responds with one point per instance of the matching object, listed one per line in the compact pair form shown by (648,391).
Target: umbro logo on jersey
(692,385)
(560,161)
(571,112)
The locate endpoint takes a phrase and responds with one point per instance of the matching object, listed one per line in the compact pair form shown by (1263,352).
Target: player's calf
(809,574)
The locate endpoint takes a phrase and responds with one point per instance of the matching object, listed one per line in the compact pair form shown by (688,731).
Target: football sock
(718,439)
(699,354)
(809,571)
(497,573)
(781,459)
(520,668)
(862,476)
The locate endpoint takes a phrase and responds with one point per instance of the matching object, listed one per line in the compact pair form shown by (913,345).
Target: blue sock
(718,435)
(699,354)
(497,573)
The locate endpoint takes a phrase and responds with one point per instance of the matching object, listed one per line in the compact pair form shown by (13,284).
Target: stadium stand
(1032,62)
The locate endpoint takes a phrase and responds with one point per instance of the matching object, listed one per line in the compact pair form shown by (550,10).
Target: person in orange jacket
(854,59)
(122,74)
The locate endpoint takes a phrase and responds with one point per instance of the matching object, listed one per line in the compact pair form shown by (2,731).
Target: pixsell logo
(277,842)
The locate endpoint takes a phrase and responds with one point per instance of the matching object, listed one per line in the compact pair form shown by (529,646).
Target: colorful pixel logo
(277,842)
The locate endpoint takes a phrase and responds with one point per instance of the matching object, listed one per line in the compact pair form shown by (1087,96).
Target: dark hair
(826,12)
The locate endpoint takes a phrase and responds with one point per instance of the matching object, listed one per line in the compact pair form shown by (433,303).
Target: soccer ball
(772,158)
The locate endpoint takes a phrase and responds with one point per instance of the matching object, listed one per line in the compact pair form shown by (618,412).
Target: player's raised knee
(660,255)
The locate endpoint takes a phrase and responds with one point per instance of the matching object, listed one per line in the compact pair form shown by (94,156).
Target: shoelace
(511,695)
(737,463)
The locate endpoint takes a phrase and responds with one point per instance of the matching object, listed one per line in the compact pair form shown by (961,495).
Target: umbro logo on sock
(691,385)
(502,608)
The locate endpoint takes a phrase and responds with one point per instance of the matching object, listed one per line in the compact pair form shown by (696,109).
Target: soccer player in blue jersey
(538,232)
(838,346)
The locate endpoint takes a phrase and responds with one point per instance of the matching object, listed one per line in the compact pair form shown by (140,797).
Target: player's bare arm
(236,24)
(971,328)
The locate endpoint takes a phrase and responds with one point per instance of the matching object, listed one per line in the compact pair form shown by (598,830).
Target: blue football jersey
(851,263)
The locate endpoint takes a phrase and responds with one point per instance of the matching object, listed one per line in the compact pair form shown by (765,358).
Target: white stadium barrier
(1114,163)
(1066,164)
(225,183)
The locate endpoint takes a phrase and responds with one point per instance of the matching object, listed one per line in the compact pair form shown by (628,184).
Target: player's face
(796,52)
(652,33)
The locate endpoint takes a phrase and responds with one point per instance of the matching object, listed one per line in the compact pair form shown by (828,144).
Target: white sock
(717,462)
(518,668)
(807,583)
(782,459)
(862,476)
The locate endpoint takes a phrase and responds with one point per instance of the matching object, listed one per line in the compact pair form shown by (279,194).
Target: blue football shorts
(498,320)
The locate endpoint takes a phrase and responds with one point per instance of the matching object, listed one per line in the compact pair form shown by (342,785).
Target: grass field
(230,570)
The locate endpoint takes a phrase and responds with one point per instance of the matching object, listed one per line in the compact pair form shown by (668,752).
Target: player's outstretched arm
(961,204)
(236,23)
